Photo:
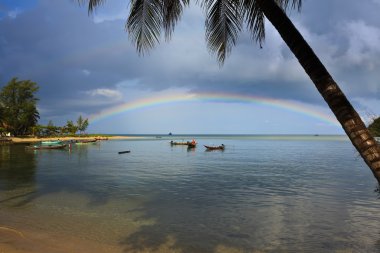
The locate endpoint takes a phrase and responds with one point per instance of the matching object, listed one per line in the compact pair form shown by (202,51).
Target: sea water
(261,194)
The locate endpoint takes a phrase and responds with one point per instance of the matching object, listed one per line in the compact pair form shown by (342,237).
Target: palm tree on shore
(224,21)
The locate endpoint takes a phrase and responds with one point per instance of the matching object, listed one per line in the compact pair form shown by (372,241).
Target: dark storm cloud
(83,64)
(58,46)
(346,37)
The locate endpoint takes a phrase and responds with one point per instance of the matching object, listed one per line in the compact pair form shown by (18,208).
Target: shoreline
(35,139)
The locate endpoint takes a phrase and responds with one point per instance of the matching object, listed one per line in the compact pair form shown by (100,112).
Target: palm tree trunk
(327,87)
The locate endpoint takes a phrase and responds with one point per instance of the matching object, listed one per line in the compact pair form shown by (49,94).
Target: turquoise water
(263,193)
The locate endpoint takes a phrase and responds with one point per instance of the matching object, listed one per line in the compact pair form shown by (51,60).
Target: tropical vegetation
(224,21)
(82,124)
(374,127)
(19,115)
(18,107)
(70,129)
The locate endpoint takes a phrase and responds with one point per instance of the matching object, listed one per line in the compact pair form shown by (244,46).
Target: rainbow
(214,97)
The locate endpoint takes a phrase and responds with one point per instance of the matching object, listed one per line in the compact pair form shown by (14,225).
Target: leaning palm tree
(224,21)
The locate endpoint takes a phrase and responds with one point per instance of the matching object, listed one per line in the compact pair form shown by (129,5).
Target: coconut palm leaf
(144,23)
(92,4)
(294,4)
(255,17)
(255,20)
(172,11)
(223,24)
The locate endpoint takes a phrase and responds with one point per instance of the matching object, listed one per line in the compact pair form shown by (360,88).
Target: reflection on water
(16,170)
(259,195)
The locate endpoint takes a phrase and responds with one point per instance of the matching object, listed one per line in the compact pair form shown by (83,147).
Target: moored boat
(179,142)
(190,144)
(221,147)
(39,146)
(124,152)
(51,143)
(79,142)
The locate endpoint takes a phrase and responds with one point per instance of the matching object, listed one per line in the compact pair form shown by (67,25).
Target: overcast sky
(86,65)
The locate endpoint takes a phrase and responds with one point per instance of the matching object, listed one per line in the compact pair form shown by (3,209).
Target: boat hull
(189,144)
(124,152)
(38,147)
(214,147)
(85,141)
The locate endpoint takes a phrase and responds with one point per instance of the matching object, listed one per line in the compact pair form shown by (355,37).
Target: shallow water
(262,194)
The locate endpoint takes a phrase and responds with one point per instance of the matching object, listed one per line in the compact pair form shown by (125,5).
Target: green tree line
(69,129)
(19,115)
(374,127)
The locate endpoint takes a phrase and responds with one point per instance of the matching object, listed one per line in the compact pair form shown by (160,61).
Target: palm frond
(92,4)
(255,20)
(172,11)
(294,4)
(144,23)
(255,17)
(223,24)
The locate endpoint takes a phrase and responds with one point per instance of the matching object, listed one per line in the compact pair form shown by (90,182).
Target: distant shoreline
(184,136)
(35,139)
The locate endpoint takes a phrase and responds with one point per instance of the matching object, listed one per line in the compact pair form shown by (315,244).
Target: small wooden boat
(221,147)
(85,141)
(189,144)
(35,147)
(51,143)
(179,143)
(124,152)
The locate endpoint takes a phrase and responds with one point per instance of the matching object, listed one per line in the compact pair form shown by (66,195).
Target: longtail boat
(179,142)
(190,144)
(51,143)
(60,146)
(221,147)
(79,142)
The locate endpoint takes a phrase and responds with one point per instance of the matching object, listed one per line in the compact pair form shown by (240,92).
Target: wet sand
(23,241)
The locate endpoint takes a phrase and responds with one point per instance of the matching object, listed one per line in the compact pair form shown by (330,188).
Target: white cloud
(86,72)
(364,42)
(14,13)
(118,10)
(106,93)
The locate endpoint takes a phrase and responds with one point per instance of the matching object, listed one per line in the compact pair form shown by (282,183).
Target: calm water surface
(262,194)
